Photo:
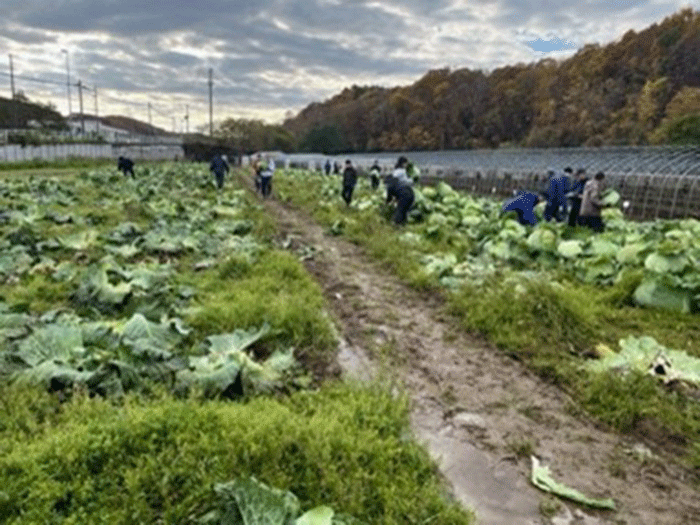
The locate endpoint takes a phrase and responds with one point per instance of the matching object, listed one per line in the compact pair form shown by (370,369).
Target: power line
(33,79)
(162,111)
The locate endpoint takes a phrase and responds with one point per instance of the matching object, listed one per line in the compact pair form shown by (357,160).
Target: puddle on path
(354,363)
(496,490)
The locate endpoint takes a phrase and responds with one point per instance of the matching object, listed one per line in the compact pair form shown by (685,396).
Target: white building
(95,127)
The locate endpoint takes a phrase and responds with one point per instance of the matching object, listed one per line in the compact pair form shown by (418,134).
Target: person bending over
(399,188)
(126,166)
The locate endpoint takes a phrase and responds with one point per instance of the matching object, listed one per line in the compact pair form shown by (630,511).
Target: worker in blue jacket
(557,188)
(524,205)
(219,167)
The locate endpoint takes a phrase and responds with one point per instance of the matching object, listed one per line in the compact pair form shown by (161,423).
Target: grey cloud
(348,40)
(27,36)
(345,17)
(560,14)
(130,17)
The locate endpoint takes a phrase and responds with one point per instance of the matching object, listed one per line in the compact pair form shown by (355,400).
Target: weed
(617,469)
(522,447)
(550,506)
(532,412)
(448,395)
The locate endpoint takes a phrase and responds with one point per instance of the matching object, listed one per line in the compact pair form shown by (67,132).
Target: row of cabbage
(119,325)
(666,253)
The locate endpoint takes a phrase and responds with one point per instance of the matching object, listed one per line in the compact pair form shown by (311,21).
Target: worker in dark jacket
(575,195)
(556,191)
(374,174)
(219,167)
(524,205)
(126,166)
(349,181)
(398,187)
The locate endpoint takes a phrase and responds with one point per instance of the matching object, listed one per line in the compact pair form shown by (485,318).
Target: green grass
(273,288)
(88,461)
(64,165)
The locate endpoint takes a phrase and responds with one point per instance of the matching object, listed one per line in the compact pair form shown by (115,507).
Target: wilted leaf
(543,480)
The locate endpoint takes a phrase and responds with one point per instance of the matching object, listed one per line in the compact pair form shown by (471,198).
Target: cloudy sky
(273,57)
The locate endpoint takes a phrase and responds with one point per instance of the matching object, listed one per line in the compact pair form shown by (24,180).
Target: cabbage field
(665,253)
(593,313)
(133,315)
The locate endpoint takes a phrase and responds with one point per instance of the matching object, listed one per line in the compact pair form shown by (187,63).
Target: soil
(479,412)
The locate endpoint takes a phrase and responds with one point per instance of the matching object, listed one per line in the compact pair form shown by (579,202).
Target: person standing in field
(126,166)
(556,191)
(219,167)
(374,173)
(398,187)
(327,167)
(349,181)
(258,167)
(592,203)
(266,177)
(575,196)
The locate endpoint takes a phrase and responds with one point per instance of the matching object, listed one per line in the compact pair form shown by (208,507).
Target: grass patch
(38,293)
(41,165)
(157,462)
(275,289)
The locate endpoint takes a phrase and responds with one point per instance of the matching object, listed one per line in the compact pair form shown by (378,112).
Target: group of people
(398,186)
(263,169)
(578,201)
(569,197)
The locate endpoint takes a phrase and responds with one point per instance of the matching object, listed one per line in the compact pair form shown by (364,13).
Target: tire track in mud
(480,413)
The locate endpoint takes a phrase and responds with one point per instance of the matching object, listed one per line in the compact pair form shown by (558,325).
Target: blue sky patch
(547,46)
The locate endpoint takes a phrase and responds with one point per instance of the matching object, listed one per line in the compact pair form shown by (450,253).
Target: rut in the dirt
(481,413)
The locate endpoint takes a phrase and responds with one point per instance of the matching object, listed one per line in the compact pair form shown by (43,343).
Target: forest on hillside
(642,89)
(21,112)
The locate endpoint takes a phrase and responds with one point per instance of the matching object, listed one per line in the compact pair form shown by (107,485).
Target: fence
(141,151)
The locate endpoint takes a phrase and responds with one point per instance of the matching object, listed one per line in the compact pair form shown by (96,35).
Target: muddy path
(480,413)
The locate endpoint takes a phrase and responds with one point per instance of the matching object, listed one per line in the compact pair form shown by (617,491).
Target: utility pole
(70,109)
(211,102)
(187,119)
(149,114)
(82,115)
(12,78)
(13,102)
(97,116)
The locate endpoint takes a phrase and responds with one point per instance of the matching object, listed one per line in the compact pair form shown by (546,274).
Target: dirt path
(480,413)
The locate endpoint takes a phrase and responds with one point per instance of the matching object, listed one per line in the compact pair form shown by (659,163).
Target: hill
(132,125)
(20,112)
(644,88)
